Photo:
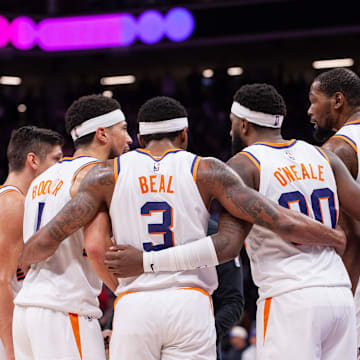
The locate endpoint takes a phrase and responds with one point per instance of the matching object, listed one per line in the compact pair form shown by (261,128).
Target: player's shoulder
(11,202)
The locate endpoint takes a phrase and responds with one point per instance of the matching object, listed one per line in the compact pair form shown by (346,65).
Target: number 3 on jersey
(159,229)
(316,196)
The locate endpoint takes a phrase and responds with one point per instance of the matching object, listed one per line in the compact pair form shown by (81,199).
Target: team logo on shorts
(290,155)
(156,167)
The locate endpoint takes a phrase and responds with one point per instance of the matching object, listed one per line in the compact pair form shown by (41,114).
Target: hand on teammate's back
(124,261)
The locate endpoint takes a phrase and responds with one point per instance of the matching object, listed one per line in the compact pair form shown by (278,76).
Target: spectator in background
(238,336)
(250,352)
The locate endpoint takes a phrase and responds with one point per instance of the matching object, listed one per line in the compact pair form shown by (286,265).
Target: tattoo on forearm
(84,206)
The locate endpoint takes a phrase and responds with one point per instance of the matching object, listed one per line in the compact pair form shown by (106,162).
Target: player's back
(156,204)
(65,281)
(298,176)
(5,192)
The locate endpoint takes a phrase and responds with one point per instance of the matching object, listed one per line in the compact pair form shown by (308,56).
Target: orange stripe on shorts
(74,318)
(266,314)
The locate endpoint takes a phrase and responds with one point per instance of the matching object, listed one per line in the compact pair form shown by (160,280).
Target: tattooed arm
(96,190)
(215,179)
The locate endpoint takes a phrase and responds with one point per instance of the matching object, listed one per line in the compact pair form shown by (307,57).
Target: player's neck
(268,136)
(355,115)
(158,147)
(21,180)
(96,152)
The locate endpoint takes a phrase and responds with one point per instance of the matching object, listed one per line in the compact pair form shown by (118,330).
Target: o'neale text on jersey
(288,174)
(47,187)
(156,183)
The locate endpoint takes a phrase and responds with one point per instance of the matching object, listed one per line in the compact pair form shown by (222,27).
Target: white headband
(91,125)
(157,127)
(259,118)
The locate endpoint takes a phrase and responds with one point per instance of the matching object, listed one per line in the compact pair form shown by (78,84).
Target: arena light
(235,71)
(108,93)
(208,73)
(334,63)
(21,108)
(10,80)
(97,31)
(118,80)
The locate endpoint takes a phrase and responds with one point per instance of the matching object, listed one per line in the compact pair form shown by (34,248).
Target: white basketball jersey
(17,280)
(350,132)
(65,281)
(156,204)
(298,176)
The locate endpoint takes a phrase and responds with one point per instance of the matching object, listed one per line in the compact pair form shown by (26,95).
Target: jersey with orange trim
(17,280)
(298,176)
(156,204)
(350,133)
(66,281)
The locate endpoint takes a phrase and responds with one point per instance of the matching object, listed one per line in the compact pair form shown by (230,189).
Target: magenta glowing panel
(97,31)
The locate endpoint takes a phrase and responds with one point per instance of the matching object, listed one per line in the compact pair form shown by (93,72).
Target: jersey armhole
(323,154)
(116,168)
(347,140)
(252,158)
(194,166)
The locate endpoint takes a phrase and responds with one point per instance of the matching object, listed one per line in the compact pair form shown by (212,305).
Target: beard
(323,134)
(236,143)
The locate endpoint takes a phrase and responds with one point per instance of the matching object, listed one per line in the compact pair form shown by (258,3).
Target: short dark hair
(262,98)
(85,108)
(340,80)
(30,139)
(161,108)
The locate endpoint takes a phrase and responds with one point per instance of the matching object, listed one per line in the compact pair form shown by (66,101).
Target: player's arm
(11,243)
(216,179)
(95,191)
(347,188)
(345,151)
(97,240)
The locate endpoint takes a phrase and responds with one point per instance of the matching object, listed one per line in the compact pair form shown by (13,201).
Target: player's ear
(32,160)
(101,135)
(141,141)
(244,126)
(338,100)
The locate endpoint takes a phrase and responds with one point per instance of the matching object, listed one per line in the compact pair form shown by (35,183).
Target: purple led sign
(97,31)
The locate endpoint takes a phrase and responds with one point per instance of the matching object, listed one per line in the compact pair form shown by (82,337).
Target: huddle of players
(162,192)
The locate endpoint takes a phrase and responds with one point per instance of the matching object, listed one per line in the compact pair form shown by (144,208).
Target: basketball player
(56,311)
(161,202)
(295,282)
(31,150)
(335,106)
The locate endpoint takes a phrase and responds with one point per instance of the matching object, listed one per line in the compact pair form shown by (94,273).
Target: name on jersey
(156,184)
(47,187)
(288,174)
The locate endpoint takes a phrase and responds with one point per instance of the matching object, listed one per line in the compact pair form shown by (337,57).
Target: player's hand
(124,261)
(340,248)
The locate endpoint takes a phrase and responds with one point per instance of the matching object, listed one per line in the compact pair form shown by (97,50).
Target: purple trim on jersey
(118,165)
(253,156)
(278,147)
(193,164)
(345,136)
(169,152)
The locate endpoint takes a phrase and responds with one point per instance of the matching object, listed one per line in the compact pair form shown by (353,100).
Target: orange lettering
(46,186)
(312,173)
(58,187)
(288,173)
(40,188)
(34,192)
(294,172)
(152,183)
(304,172)
(143,184)
(169,186)
(321,168)
(162,184)
(280,178)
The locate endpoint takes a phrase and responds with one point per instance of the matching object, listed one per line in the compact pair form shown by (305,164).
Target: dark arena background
(199,52)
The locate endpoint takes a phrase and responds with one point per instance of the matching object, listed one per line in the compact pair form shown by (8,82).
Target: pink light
(85,32)
(23,33)
(4,31)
